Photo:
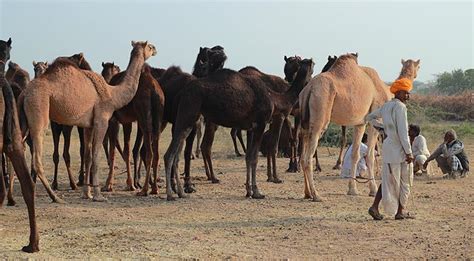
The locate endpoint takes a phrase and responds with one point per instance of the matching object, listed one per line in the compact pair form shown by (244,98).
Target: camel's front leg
(357,138)
(127,132)
(98,133)
(111,135)
(67,157)
(206,150)
(252,152)
(372,137)
(275,131)
(341,150)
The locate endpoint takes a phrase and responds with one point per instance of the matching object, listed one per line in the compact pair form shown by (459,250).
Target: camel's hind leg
(11,177)
(56,130)
(37,134)
(67,157)
(127,131)
(206,150)
(356,140)
(341,150)
(372,137)
(111,134)
(310,140)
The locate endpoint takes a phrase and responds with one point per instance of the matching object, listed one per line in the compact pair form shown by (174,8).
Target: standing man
(396,153)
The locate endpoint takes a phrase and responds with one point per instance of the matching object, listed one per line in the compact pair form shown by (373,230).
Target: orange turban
(402,84)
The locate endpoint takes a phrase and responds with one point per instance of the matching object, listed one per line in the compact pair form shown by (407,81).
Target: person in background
(361,165)
(419,148)
(450,155)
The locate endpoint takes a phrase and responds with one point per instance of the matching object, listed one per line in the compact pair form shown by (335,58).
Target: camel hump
(99,84)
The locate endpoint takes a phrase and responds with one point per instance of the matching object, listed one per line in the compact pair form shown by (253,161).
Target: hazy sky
(255,33)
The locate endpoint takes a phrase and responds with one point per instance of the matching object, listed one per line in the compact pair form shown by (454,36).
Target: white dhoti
(419,161)
(396,184)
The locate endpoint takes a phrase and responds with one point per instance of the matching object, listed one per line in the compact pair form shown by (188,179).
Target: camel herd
(68,93)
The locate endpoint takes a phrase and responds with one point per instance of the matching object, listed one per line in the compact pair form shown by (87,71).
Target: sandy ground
(219,222)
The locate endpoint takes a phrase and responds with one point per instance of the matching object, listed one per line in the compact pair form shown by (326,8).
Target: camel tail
(22,117)
(304,108)
(8,121)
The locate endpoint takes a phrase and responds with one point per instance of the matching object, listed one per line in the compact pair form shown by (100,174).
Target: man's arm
(455,149)
(402,128)
(436,153)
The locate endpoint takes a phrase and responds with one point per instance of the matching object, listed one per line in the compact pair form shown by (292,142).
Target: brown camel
(234,100)
(39,68)
(146,107)
(11,144)
(344,95)
(71,96)
(17,77)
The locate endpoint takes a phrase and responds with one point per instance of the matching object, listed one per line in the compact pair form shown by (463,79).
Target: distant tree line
(455,82)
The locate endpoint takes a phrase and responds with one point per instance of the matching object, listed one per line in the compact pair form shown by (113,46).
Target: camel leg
(241,140)
(146,152)
(275,131)
(188,186)
(80,181)
(16,155)
(3,188)
(293,165)
(318,165)
(127,131)
(56,130)
(86,189)
(11,177)
(343,145)
(310,143)
(136,158)
(248,188)
(233,135)
(372,138)
(98,133)
(112,133)
(171,157)
(206,150)
(37,136)
(155,164)
(198,139)
(357,137)
(67,157)
(252,158)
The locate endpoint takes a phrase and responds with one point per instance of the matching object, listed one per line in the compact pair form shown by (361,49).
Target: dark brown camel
(147,108)
(173,81)
(284,144)
(290,69)
(235,100)
(11,144)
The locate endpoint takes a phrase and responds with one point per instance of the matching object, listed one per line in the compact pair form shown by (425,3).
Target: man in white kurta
(419,148)
(396,152)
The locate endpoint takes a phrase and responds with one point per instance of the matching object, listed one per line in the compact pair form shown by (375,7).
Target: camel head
(305,71)
(13,66)
(292,65)
(209,60)
(410,68)
(149,49)
(5,47)
(39,68)
(109,70)
(331,61)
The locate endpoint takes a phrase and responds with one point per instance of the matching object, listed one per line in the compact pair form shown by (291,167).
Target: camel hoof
(336,167)
(307,196)
(248,194)
(257,195)
(372,194)
(99,198)
(30,248)
(269,179)
(59,201)
(170,198)
(73,186)
(142,193)
(215,181)
(131,188)
(86,196)
(154,192)
(317,198)
(318,169)
(54,186)
(80,183)
(11,203)
(181,195)
(353,192)
(189,189)
(238,155)
(277,181)
(107,188)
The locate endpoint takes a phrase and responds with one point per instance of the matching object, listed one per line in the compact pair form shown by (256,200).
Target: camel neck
(405,73)
(124,92)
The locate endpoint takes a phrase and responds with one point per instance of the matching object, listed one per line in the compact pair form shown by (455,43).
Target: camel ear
(134,43)
(34,63)
(103,64)
(417,62)
(403,61)
(9,42)
(46,63)
(357,55)
(286,58)
(113,64)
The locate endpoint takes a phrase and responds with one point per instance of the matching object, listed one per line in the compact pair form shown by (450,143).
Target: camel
(17,77)
(39,68)
(235,100)
(71,96)
(11,144)
(291,66)
(343,95)
(146,107)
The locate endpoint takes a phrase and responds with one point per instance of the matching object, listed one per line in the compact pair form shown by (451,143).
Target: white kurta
(396,175)
(347,162)
(420,152)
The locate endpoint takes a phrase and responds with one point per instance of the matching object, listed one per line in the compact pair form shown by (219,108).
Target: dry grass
(441,107)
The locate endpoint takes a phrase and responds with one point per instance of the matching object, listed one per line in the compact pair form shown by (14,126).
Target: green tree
(455,82)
